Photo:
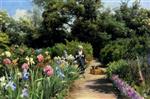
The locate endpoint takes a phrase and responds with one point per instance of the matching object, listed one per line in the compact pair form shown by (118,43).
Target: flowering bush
(32,74)
(125,88)
(134,72)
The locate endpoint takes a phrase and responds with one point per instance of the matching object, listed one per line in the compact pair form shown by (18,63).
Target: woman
(80,58)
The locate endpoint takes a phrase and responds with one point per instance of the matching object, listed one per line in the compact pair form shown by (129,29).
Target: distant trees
(83,20)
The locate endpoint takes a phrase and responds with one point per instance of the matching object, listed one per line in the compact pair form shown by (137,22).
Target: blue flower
(38,51)
(11,84)
(25,75)
(59,72)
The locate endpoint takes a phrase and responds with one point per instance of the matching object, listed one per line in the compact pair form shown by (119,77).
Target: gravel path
(92,87)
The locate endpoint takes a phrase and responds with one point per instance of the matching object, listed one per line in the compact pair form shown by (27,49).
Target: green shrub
(124,49)
(118,67)
(57,50)
(71,48)
(114,51)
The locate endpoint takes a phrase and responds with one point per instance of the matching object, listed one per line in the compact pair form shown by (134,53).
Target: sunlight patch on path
(93,87)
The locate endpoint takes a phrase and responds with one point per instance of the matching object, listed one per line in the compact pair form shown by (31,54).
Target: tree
(135,18)
(55,21)
(4,21)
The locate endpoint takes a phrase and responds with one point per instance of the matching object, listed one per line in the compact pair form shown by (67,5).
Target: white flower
(46,52)
(11,84)
(19,75)
(70,57)
(2,81)
(7,53)
(57,58)
(3,54)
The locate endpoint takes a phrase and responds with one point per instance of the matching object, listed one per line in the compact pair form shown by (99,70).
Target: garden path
(92,86)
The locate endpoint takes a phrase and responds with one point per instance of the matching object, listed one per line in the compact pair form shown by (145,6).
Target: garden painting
(74,49)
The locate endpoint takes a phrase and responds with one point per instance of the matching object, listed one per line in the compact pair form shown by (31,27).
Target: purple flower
(125,88)
(25,93)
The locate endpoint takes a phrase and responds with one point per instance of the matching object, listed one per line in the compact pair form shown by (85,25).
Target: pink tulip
(49,73)
(25,66)
(48,70)
(6,61)
(40,58)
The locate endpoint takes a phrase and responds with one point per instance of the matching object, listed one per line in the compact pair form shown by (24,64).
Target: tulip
(40,58)
(48,70)
(25,66)
(6,61)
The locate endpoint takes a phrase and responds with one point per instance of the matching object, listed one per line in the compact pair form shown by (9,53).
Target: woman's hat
(80,46)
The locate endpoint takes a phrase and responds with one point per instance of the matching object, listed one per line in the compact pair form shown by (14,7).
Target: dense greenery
(82,20)
(116,36)
(71,48)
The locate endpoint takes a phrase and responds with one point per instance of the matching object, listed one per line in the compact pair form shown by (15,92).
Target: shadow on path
(101,85)
(104,85)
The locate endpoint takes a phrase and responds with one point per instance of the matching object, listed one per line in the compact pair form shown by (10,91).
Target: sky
(19,7)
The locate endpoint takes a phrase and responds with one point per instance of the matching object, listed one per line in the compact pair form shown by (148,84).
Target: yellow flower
(15,61)
(29,60)
(62,65)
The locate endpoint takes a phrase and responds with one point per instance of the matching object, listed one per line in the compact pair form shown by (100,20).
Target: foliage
(4,40)
(4,21)
(119,67)
(125,48)
(71,48)
(114,51)
(129,70)
(24,74)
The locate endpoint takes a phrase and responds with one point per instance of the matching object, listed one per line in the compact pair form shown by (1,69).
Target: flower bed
(124,88)
(32,74)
